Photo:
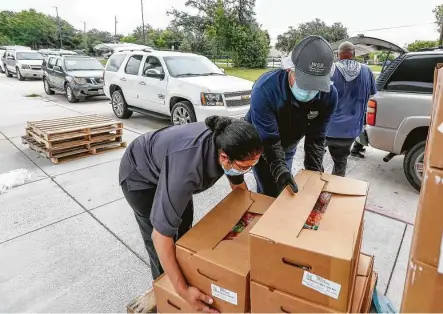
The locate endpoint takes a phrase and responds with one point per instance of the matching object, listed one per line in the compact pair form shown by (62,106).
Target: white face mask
(302,94)
(234,172)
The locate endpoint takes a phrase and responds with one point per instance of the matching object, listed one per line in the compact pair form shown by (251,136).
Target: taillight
(372,112)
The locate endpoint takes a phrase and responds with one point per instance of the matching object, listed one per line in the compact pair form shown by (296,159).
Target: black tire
(412,164)
(8,74)
(119,105)
(183,113)
(19,75)
(1,70)
(47,87)
(70,94)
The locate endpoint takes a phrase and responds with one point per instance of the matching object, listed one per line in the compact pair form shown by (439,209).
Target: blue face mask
(234,172)
(302,94)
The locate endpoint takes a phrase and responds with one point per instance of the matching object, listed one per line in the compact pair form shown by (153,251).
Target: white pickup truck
(182,87)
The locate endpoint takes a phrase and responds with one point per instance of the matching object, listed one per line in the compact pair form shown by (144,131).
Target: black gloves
(286,179)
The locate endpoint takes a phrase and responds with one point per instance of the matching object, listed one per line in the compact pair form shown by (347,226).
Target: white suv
(181,86)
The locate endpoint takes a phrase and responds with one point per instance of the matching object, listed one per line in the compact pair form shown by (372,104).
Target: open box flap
(208,232)
(364,265)
(344,186)
(260,204)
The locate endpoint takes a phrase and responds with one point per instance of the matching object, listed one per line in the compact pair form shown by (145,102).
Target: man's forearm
(275,158)
(165,248)
(314,153)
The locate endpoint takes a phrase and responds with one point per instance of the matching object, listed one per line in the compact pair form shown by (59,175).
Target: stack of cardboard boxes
(252,253)
(424,281)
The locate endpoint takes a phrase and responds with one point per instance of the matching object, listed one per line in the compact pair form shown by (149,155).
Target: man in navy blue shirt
(355,84)
(289,105)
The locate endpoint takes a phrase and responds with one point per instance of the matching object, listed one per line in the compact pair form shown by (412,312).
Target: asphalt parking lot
(69,242)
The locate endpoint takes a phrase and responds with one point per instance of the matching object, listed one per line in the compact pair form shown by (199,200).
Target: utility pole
(115,28)
(59,28)
(85,36)
(143,23)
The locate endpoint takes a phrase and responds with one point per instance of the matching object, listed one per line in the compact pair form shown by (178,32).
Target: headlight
(209,99)
(80,80)
(25,66)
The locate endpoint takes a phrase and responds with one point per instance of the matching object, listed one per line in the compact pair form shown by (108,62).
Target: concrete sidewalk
(69,241)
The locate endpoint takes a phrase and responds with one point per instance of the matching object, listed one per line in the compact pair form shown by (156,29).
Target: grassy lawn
(375,68)
(248,74)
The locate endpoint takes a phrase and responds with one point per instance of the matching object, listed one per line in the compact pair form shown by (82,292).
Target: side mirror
(160,76)
(57,68)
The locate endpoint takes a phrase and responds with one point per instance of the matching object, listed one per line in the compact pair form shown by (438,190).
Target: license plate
(101,92)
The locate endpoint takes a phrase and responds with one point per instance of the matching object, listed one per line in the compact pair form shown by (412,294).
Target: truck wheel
(47,87)
(119,105)
(8,74)
(183,113)
(70,94)
(19,75)
(413,164)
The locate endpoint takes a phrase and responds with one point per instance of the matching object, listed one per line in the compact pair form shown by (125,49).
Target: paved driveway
(69,241)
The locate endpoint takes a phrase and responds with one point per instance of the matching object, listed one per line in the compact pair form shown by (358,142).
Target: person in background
(355,84)
(159,173)
(287,105)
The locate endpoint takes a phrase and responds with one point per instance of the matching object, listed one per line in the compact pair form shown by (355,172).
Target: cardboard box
(423,289)
(427,243)
(218,267)
(269,300)
(434,147)
(168,301)
(367,301)
(315,265)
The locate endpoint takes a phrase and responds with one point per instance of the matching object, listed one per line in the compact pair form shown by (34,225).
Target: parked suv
(77,76)
(398,115)
(23,63)
(183,87)
(3,50)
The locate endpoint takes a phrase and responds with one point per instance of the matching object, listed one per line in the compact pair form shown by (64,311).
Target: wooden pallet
(72,127)
(74,152)
(143,304)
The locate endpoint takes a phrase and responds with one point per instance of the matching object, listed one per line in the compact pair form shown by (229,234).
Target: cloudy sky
(274,15)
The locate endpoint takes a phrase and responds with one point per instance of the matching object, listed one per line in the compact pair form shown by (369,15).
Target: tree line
(218,27)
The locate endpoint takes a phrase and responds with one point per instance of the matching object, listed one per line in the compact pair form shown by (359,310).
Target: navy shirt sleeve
(320,128)
(179,178)
(373,85)
(263,117)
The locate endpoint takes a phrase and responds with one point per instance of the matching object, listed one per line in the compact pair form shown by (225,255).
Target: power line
(393,27)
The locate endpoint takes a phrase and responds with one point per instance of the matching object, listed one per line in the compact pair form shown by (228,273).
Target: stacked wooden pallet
(76,137)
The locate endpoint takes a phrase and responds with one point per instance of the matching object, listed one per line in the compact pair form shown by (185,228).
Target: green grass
(248,74)
(375,68)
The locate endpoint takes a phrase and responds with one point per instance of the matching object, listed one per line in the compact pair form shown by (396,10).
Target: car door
(10,61)
(130,78)
(152,85)
(49,71)
(59,77)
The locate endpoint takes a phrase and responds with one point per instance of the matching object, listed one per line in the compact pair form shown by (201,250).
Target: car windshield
(83,64)
(29,56)
(181,66)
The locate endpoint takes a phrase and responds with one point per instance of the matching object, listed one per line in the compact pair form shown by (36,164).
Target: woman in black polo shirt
(159,173)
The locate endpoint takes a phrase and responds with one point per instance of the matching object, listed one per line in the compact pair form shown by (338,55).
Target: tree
(422,44)
(251,50)
(438,12)
(185,45)
(287,41)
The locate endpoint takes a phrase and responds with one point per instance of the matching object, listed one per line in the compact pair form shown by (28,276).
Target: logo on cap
(312,115)
(317,67)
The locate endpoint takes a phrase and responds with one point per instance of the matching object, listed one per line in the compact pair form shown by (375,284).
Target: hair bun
(217,124)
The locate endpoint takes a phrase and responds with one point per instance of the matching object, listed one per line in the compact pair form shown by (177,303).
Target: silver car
(398,115)
(23,63)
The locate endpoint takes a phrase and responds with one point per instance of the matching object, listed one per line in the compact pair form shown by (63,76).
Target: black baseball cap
(313,60)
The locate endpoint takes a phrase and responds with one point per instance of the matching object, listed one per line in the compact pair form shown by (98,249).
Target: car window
(415,74)
(133,64)
(191,66)
(59,62)
(83,64)
(29,55)
(152,66)
(115,62)
(51,62)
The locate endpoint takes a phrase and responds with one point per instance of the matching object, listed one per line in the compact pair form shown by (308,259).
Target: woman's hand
(198,301)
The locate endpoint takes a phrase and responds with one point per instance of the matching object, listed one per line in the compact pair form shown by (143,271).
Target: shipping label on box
(269,300)
(281,241)
(214,254)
